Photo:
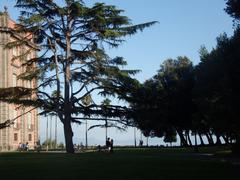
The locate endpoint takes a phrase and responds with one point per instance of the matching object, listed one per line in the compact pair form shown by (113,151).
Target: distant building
(25,128)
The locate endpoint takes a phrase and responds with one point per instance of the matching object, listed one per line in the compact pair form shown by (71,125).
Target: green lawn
(122,164)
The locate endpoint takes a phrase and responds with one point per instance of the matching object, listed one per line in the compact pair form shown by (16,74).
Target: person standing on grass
(111,146)
(108,146)
(38,146)
(27,146)
(23,148)
(20,147)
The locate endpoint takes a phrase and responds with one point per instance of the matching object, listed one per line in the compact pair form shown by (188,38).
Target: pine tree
(72,63)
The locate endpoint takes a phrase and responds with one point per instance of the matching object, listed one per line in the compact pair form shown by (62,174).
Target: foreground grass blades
(122,164)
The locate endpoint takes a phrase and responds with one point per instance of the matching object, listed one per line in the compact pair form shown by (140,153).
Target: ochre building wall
(25,128)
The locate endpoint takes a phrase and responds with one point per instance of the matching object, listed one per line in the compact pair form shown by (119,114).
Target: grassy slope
(123,164)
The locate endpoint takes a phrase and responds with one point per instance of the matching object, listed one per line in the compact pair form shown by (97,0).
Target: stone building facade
(25,127)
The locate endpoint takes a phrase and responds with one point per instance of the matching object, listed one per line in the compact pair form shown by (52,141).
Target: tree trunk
(68,136)
(236,146)
(67,102)
(218,140)
(134,133)
(86,134)
(225,138)
(196,145)
(209,138)
(183,141)
(201,139)
(106,133)
(188,138)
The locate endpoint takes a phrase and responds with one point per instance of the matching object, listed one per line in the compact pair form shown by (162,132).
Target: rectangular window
(14,80)
(15,125)
(29,137)
(15,136)
(29,120)
(14,51)
(29,57)
(29,84)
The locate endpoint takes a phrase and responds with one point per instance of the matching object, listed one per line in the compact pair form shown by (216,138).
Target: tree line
(203,99)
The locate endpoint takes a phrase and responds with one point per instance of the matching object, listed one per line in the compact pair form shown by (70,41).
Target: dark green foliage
(217,89)
(107,111)
(51,144)
(233,9)
(5,124)
(170,136)
(163,105)
(203,99)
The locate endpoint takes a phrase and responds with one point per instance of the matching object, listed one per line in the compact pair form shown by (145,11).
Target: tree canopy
(163,105)
(233,9)
(202,99)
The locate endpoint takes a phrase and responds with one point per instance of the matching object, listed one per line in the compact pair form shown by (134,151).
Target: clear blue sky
(184,25)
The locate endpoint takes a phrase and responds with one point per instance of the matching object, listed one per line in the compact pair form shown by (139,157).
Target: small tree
(107,113)
(49,143)
(105,104)
(170,137)
(87,100)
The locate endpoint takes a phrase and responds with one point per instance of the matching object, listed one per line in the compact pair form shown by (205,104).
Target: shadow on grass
(122,164)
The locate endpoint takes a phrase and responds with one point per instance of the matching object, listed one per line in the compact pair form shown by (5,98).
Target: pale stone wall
(25,128)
